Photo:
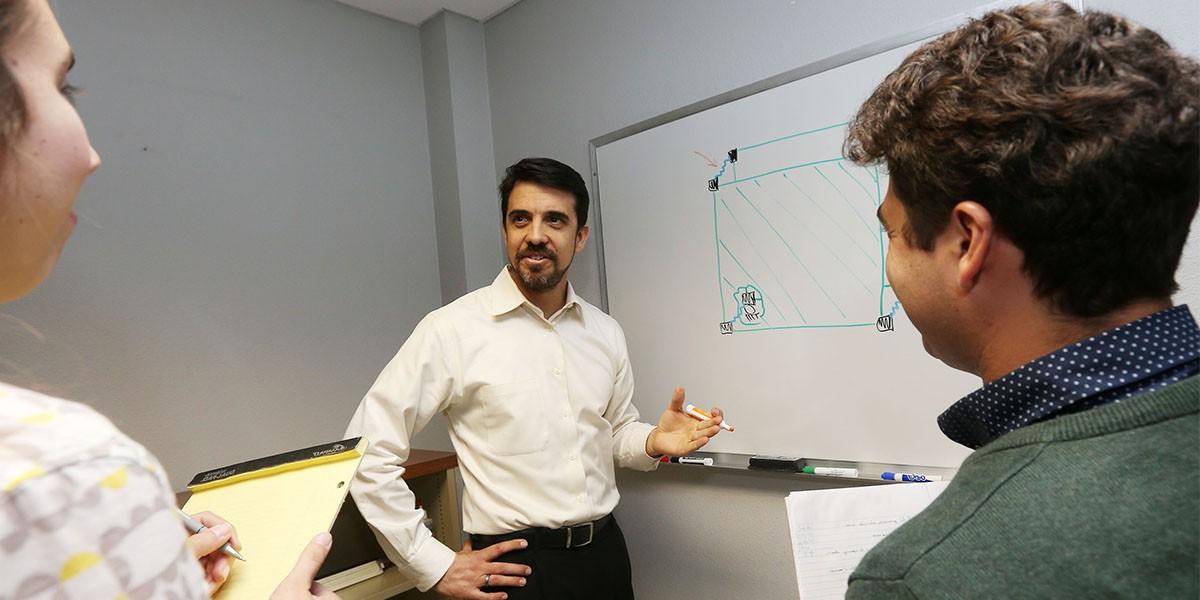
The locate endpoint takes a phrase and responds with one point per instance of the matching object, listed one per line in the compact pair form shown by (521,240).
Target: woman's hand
(206,547)
(299,584)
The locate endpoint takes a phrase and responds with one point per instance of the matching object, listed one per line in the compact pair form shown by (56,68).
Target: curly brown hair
(1078,132)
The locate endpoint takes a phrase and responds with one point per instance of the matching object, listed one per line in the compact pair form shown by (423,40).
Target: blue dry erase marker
(915,477)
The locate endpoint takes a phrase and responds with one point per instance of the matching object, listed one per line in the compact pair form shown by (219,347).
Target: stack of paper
(832,529)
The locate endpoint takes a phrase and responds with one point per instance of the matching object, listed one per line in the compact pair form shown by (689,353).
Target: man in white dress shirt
(537,389)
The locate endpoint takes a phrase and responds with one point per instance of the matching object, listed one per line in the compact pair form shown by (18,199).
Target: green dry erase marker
(835,471)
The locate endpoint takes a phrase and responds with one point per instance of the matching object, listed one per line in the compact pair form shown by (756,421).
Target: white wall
(259,240)
(564,72)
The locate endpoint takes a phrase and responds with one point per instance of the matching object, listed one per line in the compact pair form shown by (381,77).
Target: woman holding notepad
(85,512)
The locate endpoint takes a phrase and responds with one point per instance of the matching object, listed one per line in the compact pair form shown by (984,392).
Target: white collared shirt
(539,410)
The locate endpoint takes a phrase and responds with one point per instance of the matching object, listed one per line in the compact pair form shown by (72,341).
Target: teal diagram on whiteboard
(797,241)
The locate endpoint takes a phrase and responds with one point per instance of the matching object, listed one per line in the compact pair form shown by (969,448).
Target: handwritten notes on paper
(832,529)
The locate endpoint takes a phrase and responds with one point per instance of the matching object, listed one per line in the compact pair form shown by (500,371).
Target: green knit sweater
(1103,503)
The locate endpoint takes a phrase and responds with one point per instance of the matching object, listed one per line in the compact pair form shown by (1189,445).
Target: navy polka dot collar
(1145,355)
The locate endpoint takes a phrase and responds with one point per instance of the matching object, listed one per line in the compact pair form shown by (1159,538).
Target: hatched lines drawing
(797,241)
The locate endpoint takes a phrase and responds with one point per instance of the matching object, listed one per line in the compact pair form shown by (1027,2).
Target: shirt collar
(507,297)
(1137,357)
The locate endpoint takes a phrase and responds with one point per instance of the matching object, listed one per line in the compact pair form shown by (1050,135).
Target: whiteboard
(741,254)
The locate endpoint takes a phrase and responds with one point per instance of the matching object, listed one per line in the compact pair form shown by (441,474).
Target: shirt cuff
(635,456)
(430,564)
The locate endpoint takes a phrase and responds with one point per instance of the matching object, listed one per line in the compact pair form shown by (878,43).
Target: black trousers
(597,571)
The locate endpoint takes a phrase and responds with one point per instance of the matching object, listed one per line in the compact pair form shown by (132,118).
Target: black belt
(571,536)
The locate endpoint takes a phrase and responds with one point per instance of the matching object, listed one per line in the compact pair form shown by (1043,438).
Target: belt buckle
(591,528)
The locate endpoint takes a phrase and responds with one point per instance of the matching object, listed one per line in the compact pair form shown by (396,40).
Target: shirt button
(557,372)
(571,458)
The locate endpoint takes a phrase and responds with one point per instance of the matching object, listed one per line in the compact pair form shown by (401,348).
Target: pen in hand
(195,526)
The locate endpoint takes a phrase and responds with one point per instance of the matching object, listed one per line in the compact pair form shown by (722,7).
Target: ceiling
(414,12)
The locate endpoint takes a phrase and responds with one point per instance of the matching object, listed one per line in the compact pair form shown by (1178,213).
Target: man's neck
(1039,333)
(549,301)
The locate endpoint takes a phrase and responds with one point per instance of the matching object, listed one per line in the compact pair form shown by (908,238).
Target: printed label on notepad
(324,451)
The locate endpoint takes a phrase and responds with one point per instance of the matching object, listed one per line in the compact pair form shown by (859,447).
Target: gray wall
(564,72)
(460,144)
(260,238)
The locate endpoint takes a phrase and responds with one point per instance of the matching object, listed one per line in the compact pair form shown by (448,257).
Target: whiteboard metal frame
(808,70)
(869,472)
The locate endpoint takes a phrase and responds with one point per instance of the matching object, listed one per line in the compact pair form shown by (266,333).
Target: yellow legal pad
(276,504)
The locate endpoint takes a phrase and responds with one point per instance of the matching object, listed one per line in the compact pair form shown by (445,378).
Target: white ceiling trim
(415,12)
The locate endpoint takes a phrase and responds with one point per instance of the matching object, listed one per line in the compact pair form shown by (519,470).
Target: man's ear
(973,232)
(581,237)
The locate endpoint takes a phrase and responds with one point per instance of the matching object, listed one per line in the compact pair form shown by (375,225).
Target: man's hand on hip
(678,434)
(475,569)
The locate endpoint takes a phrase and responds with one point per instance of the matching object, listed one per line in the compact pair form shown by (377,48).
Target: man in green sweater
(1045,168)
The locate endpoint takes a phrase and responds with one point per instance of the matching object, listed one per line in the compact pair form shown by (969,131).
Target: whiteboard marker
(910,477)
(689,460)
(835,471)
(691,411)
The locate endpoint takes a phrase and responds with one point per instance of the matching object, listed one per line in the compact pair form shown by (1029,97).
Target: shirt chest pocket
(514,417)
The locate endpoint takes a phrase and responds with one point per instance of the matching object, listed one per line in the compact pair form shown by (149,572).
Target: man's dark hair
(1078,132)
(550,173)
